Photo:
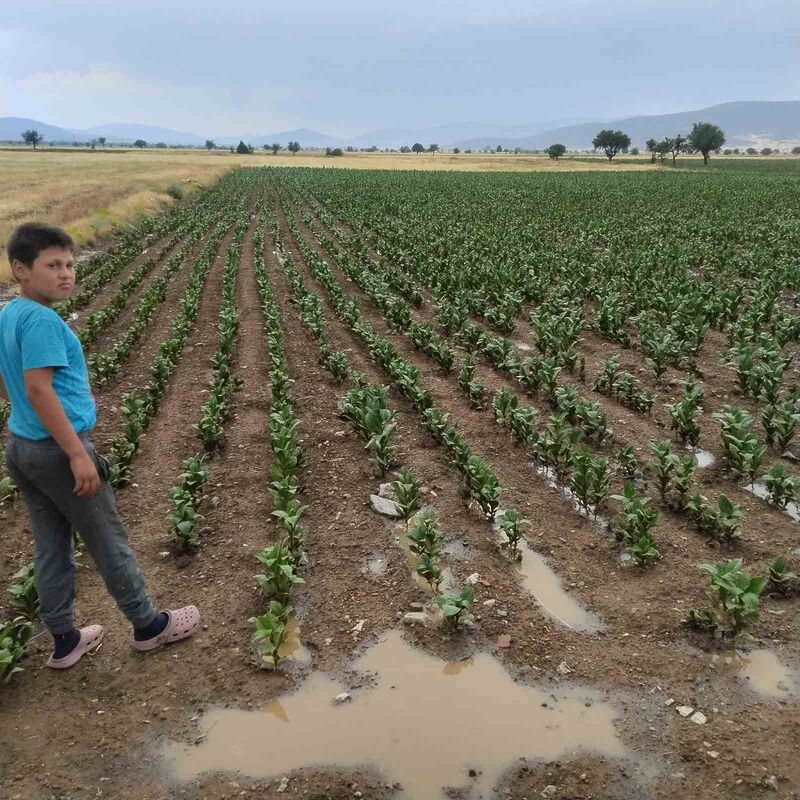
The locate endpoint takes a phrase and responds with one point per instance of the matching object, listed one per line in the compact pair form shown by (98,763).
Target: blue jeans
(42,473)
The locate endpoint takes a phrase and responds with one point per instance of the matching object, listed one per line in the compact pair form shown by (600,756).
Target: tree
(140,143)
(92,143)
(293,147)
(405,149)
(796,151)
(650,146)
(634,151)
(736,151)
(727,151)
(676,146)
(432,148)
(333,151)
(499,149)
(767,151)
(242,148)
(704,138)
(662,148)
(555,151)
(101,140)
(751,151)
(611,142)
(456,150)
(418,148)
(32,137)
(210,144)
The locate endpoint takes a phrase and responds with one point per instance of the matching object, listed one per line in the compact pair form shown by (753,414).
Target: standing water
(472,714)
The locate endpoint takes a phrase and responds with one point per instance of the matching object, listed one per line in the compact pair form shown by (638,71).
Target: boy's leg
(96,519)
(54,564)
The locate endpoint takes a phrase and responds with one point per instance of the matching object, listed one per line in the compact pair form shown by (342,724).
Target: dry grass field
(90,193)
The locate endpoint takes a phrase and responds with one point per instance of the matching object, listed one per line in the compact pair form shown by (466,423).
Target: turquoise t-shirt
(34,336)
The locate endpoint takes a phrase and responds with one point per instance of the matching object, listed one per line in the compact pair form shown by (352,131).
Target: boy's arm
(45,402)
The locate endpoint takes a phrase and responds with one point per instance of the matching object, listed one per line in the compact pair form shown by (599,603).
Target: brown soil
(98,730)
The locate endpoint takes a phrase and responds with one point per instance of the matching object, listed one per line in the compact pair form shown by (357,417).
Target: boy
(53,462)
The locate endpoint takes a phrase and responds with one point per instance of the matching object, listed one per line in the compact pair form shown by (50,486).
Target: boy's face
(51,277)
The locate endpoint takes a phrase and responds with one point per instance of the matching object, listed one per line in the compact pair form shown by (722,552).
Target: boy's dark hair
(28,240)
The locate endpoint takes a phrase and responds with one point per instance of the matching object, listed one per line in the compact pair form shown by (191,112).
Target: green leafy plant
(425,542)
(270,634)
(24,594)
(279,578)
(663,465)
(781,579)
(636,518)
(456,608)
(509,524)
(734,600)
(684,414)
(590,480)
(782,487)
(14,638)
(407,492)
(643,551)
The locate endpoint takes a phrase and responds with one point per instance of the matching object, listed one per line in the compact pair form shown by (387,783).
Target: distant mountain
(12,128)
(447,135)
(130,132)
(307,138)
(753,122)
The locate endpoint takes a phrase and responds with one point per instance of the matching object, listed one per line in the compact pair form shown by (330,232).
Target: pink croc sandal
(91,637)
(181,624)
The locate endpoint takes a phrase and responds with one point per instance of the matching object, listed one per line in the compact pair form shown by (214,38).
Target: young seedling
(734,600)
(14,638)
(643,551)
(781,579)
(636,518)
(684,478)
(782,487)
(663,465)
(24,595)
(684,414)
(509,524)
(279,578)
(425,542)
(407,491)
(456,608)
(628,464)
(270,634)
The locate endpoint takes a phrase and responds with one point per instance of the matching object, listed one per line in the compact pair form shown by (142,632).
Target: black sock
(153,629)
(65,643)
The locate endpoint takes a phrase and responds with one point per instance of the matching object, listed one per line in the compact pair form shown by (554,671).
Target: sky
(349,66)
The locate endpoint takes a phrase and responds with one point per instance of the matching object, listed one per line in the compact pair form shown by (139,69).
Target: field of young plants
(480,481)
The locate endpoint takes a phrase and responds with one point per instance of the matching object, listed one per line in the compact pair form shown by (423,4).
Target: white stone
(414,617)
(564,668)
(549,790)
(383,506)
(489,602)
(699,718)
(386,490)
(358,627)
(284,785)
(669,702)
(684,711)
(341,698)
(472,580)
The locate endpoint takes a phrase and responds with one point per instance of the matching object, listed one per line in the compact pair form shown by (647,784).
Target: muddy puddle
(540,580)
(766,674)
(471,713)
(760,490)
(292,648)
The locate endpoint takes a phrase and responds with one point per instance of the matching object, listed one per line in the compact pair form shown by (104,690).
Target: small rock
(358,627)
(489,603)
(416,606)
(669,702)
(771,783)
(383,505)
(501,612)
(504,641)
(341,698)
(564,668)
(685,711)
(386,490)
(712,753)
(699,718)
(414,618)
(549,790)
(328,641)
(284,785)
(472,580)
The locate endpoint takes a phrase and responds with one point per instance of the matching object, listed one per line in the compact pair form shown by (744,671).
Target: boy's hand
(84,470)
